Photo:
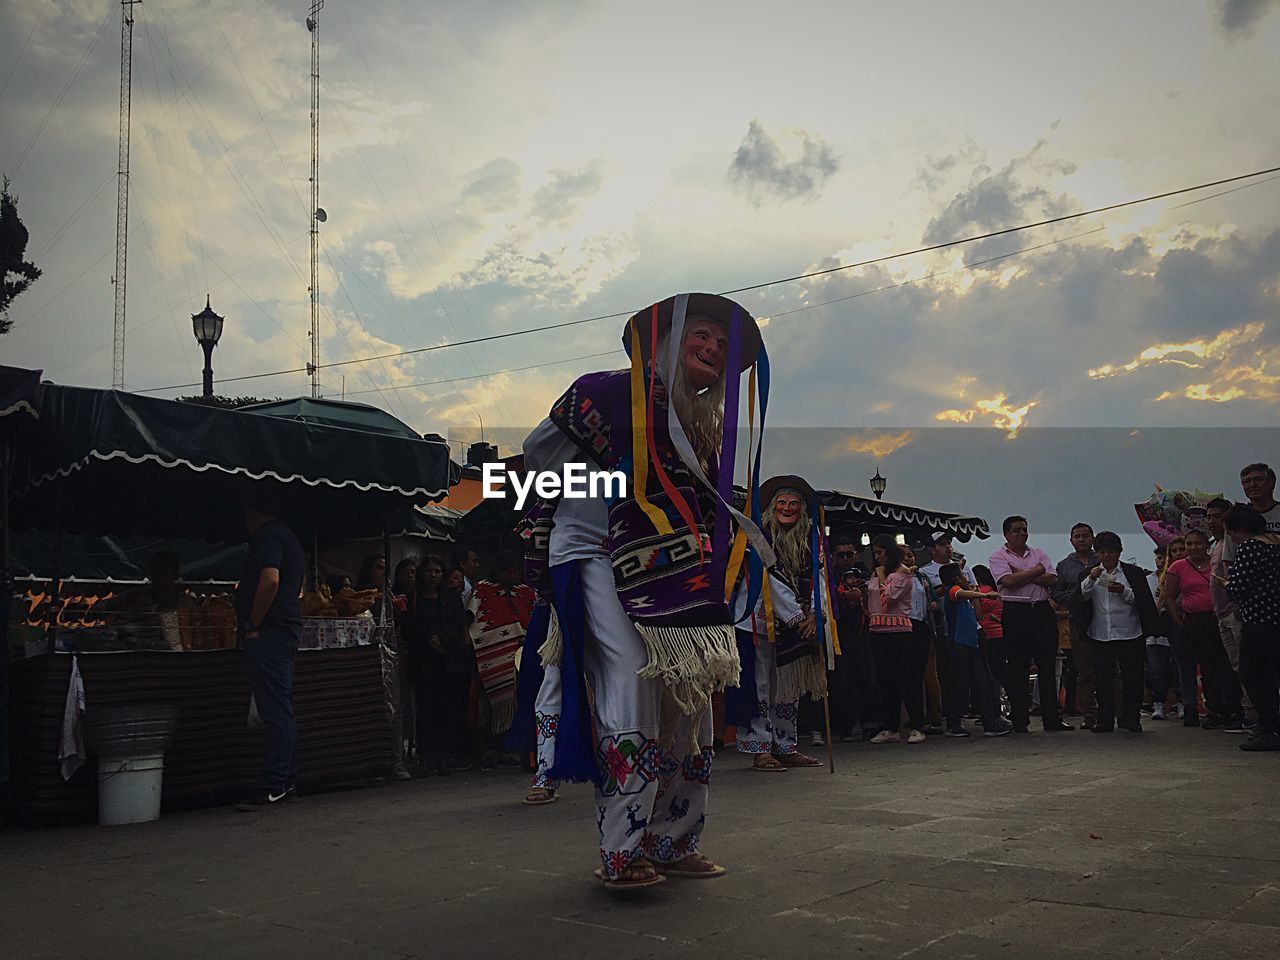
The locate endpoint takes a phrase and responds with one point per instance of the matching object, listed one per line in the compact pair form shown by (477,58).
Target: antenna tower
(317,215)
(122,191)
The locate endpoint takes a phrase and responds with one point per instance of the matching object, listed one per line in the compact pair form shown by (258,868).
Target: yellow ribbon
(639,447)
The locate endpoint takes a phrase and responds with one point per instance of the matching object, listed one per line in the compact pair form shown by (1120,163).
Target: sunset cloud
(997,409)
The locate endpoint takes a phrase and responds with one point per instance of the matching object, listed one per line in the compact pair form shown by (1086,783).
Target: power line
(491,373)
(769,283)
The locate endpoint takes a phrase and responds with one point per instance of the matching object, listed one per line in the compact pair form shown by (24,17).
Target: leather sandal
(767,763)
(633,877)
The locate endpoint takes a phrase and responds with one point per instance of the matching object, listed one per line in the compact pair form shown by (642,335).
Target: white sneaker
(816,740)
(1157,711)
(915,737)
(886,736)
(1179,712)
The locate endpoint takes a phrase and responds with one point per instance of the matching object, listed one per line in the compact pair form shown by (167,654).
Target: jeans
(1129,655)
(270,659)
(855,697)
(1184,659)
(1161,673)
(900,661)
(1221,690)
(1031,633)
(1260,670)
(967,674)
(1231,629)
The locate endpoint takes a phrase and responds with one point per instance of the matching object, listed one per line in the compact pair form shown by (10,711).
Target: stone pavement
(1045,847)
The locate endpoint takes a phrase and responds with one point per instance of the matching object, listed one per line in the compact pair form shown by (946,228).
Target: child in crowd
(966,669)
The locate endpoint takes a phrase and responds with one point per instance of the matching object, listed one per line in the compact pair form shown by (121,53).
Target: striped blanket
(501,618)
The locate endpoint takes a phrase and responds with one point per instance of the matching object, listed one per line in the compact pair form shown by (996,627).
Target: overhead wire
(35,25)
(53,108)
(804,276)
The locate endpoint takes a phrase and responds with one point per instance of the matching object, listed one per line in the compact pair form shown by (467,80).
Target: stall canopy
(105,461)
(898,517)
(19,399)
(334,413)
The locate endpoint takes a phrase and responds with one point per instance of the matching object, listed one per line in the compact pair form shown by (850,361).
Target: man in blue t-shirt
(270,618)
(967,670)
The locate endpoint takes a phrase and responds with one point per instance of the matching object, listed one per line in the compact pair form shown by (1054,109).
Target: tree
(223,403)
(13,246)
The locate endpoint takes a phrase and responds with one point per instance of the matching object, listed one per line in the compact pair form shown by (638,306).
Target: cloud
(877,443)
(761,169)
(557,200)
(996,409)
(1237,18)
(994,200)
(493,188)
(1193,354)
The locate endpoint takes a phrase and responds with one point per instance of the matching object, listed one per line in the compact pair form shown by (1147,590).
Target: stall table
(340,701)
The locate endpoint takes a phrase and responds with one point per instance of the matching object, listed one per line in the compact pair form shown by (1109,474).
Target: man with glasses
(855,695)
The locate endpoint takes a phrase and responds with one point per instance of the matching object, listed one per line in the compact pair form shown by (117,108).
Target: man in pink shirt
(1023,576)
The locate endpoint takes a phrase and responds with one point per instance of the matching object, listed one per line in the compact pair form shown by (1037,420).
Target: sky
(492,167)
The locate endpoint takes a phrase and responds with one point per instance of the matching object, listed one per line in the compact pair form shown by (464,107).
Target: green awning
(105,461)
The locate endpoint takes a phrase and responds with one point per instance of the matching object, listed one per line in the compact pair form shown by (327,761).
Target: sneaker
(1235,725)
(1263,741)
(1191,720)
(934,729)
(1147,708)
(1179,712)
(998,730)
(916,736)
(886,736)
(264,799)
(459,764)
(851,736)
(1157,712)
(291,793)
(957,732)
(816,739)
(400,772)
(488,762)
(1212,722)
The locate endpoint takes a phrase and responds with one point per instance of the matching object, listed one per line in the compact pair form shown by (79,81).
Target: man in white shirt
(1123,612)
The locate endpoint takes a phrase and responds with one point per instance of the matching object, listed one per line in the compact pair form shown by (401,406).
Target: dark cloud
(995,200)
(558,198)
(761,169)
(1237,18)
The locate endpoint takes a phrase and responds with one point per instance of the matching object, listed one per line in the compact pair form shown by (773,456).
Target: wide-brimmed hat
(713,307)
(785,481)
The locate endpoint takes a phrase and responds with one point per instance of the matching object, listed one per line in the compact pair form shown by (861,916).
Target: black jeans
(1222,694)
(1131,655)
(855,695)
(900,660)
(970,681)
(1031,633)
(270,658)
(442,713)
(1260,672)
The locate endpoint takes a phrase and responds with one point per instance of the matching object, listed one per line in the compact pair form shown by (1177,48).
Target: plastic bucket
(130,742)
(129,789)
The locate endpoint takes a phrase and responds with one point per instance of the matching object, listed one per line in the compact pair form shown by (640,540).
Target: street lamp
(878,483)
(208,329)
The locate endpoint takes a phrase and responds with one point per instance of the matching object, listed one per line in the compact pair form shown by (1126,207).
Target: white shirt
(581,525)
(1153,582)
(1115,615)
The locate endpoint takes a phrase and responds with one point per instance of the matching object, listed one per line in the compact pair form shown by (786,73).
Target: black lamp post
(208,329)
(878,483)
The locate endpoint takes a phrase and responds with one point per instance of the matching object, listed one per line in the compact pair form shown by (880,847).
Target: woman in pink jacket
(899,671)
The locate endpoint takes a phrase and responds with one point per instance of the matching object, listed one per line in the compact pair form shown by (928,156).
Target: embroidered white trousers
(773,728)
(546,717)
(653,800)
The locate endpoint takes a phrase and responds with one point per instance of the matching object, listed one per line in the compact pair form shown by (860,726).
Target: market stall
(111,463)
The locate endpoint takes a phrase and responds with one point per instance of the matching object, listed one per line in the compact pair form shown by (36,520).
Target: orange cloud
(878,443)
(1201,350)
(997,408)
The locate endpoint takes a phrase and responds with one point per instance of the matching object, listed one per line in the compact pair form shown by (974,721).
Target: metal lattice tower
(122,191)
(317,215)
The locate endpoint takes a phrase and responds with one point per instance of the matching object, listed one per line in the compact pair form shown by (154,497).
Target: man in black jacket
(1118,613)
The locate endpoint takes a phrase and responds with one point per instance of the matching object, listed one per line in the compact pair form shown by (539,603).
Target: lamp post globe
(207,327)
(878,483)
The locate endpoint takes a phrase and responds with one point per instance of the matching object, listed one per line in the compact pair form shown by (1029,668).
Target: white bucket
(129,789)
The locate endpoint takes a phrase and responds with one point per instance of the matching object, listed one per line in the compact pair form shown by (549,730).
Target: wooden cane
(826,715)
